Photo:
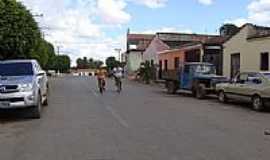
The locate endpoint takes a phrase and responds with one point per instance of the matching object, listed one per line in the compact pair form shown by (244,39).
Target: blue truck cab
(198,77)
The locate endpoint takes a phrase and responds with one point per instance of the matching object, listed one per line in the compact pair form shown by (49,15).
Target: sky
(94,28)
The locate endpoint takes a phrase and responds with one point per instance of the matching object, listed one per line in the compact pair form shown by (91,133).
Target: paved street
(142,123)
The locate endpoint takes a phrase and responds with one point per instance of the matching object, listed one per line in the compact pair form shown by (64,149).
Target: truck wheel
(222,97)
(200,91)
(171,88)
(257,103)
(36,110)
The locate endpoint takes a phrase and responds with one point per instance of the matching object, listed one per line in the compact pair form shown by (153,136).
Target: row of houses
(246,50)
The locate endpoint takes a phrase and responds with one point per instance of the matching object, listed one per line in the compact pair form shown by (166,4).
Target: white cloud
(206,2)
(112,11)
(152,3)
(79,26)
(258,13)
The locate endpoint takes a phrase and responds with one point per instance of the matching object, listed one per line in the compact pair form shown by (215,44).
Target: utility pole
(118,50)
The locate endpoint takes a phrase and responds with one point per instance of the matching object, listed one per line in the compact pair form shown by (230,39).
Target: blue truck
(198,77)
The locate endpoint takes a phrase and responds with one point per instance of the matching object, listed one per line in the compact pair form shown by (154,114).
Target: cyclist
(118,74)
(101,75)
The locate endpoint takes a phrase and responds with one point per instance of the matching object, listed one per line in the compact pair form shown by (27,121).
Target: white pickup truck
(23,84)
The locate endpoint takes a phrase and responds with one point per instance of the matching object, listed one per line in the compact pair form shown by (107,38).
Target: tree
(19,32)
(111,62)
(228,30)
(51,55)
(98,64)
(62,63)
(84,63)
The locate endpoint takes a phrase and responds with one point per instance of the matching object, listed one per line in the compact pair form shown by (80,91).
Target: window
(243,77)
(166,65)
(160,65)
(16,69)
(176,62)
(265,61)
(152,63)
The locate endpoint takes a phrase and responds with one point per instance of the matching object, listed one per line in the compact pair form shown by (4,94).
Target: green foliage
(84,63)
(62,63)
(19,32)
(111,62)
(228,29)
(20,38)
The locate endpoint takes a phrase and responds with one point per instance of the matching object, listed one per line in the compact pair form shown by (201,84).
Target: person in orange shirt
(101,75)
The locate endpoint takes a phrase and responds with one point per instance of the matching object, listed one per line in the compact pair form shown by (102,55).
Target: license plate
(4,104)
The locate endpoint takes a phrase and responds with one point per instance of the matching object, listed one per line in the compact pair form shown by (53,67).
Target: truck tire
(171,87)
(200,91)
(257,103)
(36,110)
(222,97)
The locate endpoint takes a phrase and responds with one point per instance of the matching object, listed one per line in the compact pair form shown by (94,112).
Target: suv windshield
(205,69)
(16,69)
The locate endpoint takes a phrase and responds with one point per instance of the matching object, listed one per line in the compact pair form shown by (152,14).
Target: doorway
(235,64)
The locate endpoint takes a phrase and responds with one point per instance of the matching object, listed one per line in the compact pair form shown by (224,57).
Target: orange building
(207,51)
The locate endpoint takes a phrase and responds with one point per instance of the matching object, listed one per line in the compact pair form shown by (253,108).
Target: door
(235,64)
(160,70)
(186,77)
(253,84)
(238,89)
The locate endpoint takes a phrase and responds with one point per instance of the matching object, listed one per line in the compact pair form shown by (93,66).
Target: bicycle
(118,84)
(101,85)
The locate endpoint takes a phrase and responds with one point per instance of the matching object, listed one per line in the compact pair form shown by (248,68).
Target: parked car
(23,84)
(198,77)
(247,86)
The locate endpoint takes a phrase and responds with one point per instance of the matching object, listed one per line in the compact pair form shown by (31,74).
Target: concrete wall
(134,60)
(250,51)
(151,53)
(170,56)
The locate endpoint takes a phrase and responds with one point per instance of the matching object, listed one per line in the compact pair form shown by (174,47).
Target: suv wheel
(257,103)
(45,103)
(222,97)
(36,110)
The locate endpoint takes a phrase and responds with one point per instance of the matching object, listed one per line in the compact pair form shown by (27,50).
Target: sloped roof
(176,40)
(140,40)
(219,40)
(140,36)
(259,32)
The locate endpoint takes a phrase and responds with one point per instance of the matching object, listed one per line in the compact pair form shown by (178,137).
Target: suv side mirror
(41,73)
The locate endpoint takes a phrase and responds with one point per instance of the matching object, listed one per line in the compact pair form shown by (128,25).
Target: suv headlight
(26,87)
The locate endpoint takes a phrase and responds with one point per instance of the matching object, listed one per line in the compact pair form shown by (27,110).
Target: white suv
(23,84)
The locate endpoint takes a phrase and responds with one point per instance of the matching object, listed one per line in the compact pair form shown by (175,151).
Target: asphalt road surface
(141,123)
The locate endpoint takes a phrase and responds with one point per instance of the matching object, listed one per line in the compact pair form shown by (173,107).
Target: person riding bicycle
(118,74)
(101,75)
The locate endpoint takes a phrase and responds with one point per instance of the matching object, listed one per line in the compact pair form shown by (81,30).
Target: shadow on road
(10,116)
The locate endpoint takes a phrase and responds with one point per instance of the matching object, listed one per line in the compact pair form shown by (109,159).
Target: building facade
(209,51)
(136,45)
(248,50)
(170,41)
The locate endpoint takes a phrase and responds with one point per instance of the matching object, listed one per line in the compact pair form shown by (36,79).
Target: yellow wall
(250,51)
